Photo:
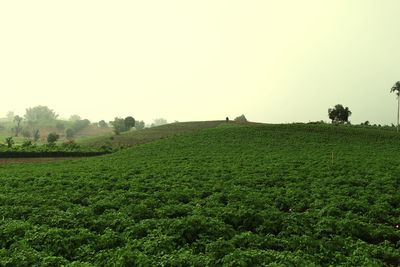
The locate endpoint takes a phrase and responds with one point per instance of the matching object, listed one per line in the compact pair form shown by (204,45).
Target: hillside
(246,195)
(136,137)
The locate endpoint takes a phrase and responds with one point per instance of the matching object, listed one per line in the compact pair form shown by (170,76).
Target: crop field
(240,195)
(133,138)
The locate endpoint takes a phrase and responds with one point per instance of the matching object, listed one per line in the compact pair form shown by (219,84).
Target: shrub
(241,118)
(9,141)
(52,138)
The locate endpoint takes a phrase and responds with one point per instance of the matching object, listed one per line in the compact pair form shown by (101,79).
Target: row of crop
(49,154)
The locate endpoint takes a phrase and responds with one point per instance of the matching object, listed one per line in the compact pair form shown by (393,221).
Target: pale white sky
(274,61)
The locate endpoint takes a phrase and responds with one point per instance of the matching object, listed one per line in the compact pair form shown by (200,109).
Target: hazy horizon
(274,61)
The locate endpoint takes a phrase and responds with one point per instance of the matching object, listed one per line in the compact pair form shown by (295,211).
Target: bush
(70,145)
(9,141)
(27,143)
(26,134)
(69,133)
(241,118)
(52,138)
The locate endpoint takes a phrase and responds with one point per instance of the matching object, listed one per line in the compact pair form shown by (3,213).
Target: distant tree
(26,133)
(80,124)
(69,133)
(366,123)
(52,138)
(40,114)
(339,114)
(17,128)
(60,126)
(10,115)
(36,135)
(118,125)
(396,90)
(103,124)
(9,141)
(158,122)
(139,125)
(227,119)
(129,122)
(75,118)
(241,118)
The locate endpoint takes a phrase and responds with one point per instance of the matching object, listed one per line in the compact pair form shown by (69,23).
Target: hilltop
(136,137)
(228,194)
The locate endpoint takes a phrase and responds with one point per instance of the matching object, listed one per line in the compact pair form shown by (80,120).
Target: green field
(137,137)
(229,195)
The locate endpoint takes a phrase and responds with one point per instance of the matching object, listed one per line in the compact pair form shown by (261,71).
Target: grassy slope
(238,196)
(136,137)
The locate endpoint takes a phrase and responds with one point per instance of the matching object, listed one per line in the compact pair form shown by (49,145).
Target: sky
(276,61)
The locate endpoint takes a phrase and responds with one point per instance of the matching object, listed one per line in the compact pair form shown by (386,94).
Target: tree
(103,124)
(339,114)
(118,125)
(52,138)
(80,124)
(10,115)
(241,118)
(36,135)
(26,133)
(129,122)
(396,89)
(140,125)
(18,120)
(60,126)
(75,118)
(69,133)
(40,114)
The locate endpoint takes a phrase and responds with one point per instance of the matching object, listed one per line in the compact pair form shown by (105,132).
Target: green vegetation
(396,89)
(121,125)
(232,195)
(339,114)
(132,138)
(40,121)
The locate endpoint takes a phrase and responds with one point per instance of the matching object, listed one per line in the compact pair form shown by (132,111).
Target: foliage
(129,122)
(69,133)
(9,141)
(10,116)
(36,135)
(103,124)
(26,143)
(26,133)
(17,129)
(75,118)
(339,114)
(118,125)
(40,114)
(241,118)
(52,138)
(60,126)
(139,125)
(247,195)
(396,88)
(80,124)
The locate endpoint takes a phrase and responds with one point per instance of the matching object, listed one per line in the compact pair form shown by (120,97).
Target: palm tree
(396,89)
